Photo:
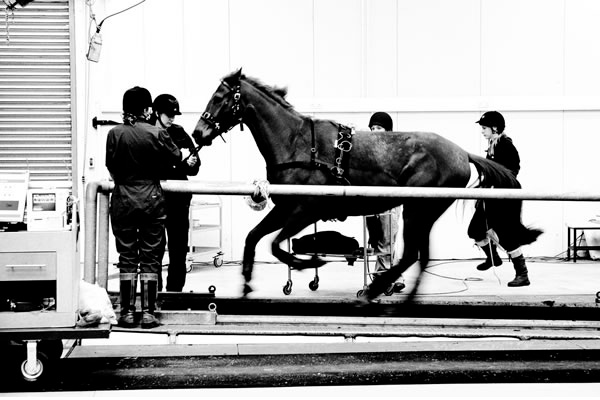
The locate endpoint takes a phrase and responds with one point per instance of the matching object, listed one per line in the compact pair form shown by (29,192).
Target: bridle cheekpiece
(236,111)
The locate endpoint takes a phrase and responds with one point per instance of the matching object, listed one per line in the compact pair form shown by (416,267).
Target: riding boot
(128,283)
(149,283)
(521,278)
(492,257)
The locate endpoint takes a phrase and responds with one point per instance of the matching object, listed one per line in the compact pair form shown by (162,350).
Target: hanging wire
(118,12)
(7,25)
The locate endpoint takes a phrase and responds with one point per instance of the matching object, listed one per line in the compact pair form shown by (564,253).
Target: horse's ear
(237,74)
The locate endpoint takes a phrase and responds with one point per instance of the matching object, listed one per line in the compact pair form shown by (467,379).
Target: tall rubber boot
(128,284)
(149,283)
(521,278)
(492,257)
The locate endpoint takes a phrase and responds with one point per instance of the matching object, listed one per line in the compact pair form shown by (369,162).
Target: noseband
(235,110)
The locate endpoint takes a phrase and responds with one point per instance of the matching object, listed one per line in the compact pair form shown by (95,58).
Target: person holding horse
(138,155)
(501,150)
(383,228)
(165,108)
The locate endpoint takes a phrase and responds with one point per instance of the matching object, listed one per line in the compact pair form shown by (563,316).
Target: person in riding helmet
(166,108)
(383,228)
(138,155)
(501,150)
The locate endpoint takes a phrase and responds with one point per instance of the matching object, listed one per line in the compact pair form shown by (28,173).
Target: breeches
(479,226)
(383,230)
(141,246)
(177,225)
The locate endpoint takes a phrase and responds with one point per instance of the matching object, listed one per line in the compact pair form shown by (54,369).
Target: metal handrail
(96,206)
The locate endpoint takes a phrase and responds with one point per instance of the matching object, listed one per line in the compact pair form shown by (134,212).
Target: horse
(302,150)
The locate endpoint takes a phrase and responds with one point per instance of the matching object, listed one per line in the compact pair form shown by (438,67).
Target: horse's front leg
(273,221)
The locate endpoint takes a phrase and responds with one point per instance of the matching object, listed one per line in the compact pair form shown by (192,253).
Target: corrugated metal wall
(35,91)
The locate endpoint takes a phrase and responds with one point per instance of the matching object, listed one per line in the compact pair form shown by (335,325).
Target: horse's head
(223,111)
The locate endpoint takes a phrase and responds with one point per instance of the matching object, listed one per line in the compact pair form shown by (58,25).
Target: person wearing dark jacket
(137,156)
(383,228)
(501,150)
(165,108)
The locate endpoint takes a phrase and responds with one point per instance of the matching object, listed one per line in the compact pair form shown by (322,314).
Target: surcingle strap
(339,168)
(343,145)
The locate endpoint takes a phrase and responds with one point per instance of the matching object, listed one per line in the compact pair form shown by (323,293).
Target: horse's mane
(276,93)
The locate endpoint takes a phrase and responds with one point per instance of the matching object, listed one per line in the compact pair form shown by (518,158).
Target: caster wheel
(360,293)
(390,290)
(31,374)
(212,289)
(189,267)
(218,259)
(313,285)
(287,289)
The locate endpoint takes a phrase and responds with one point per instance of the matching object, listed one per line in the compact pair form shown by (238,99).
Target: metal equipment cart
(365,253)
(205,217)
(39,288)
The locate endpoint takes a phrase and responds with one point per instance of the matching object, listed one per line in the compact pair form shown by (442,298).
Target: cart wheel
(314,284)
(390,290)
(360,293)
(212,289)
(31,374)
(218,261)
(287,289)
(189,267)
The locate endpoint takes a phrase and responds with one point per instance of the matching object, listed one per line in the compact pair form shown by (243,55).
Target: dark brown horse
(305,151)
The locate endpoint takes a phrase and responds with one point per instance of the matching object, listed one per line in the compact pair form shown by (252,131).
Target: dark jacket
(506,153)
(137,156)
(181,170)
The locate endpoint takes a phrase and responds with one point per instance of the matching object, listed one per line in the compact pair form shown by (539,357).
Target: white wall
(435,65)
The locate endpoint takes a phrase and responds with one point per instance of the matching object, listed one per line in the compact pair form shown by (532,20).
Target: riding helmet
(166,104)
(136,100)
(382,119)
(492,119)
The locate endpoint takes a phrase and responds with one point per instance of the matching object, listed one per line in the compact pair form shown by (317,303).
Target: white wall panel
(123,58)
(522,47)
(206,54)
(438,51)
(381,48)
(273,41)
(338,48)
(582,53)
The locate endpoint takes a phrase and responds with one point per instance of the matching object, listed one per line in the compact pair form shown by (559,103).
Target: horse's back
(414,158)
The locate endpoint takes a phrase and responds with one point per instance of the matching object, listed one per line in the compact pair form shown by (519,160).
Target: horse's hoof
(247,290)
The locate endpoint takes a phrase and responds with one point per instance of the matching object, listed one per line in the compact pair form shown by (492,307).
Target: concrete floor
(442,278)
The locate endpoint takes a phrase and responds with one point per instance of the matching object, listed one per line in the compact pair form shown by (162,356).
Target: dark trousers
(140,245)
(484,220)
(178,225)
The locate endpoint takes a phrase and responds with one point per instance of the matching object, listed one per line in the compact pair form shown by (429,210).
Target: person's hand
(192,160)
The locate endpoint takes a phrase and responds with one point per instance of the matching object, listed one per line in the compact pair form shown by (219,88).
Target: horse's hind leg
(419,218)
(273,220)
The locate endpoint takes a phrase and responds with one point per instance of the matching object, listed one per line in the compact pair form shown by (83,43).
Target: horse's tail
(503,215)
(492,174)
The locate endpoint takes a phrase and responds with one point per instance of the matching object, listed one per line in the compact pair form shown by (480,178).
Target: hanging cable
(96,39)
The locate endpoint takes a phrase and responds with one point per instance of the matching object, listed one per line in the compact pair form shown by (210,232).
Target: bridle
(236,111)
(342,145)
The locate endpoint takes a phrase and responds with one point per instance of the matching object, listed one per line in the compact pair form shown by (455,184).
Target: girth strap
(339,169)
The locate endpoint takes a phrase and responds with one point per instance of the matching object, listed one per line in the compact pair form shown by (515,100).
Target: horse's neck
(274,127)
